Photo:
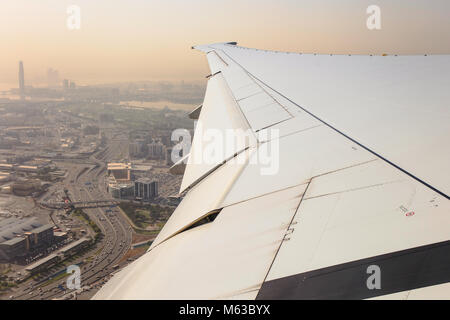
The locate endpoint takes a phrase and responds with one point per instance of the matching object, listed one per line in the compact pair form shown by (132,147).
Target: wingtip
(204,47)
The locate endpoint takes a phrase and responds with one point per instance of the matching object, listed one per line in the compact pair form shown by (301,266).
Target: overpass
(80,204)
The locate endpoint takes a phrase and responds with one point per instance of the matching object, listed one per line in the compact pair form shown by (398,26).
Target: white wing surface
(336,186)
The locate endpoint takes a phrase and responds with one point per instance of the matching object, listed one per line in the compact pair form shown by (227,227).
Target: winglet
(208,47)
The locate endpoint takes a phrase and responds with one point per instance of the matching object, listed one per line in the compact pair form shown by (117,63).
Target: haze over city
(236,150)
(150,40)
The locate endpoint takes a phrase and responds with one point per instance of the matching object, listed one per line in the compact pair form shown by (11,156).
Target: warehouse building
(12,248)
(19,237)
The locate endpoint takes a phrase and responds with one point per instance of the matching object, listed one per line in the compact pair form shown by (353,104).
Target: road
(117,232)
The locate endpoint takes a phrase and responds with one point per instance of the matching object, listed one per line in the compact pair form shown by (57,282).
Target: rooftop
(43,228)
(12,227)
(41,262)
(73,245)
(13,241)
(119,166)
(146,180)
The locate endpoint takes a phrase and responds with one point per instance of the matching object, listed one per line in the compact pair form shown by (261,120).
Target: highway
(88,183)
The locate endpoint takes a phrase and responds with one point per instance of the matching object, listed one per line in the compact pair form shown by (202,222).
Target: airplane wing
(335,186)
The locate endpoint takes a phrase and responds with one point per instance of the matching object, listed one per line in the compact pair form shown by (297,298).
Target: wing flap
(242,240)
(204,197)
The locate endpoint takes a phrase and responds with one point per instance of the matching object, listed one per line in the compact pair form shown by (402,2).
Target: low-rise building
(120,171)
(74,246)
(121,190)
(43,263)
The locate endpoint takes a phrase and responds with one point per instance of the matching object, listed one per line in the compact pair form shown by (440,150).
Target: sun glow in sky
(150,39)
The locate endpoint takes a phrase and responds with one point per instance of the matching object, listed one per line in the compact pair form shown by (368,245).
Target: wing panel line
(348,137)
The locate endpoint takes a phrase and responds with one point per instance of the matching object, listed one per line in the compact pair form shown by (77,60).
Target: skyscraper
(21,80)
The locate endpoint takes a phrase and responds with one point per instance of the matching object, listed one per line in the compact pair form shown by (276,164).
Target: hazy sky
(121,40)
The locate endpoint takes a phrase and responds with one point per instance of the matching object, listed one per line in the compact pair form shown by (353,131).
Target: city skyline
(151,40)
